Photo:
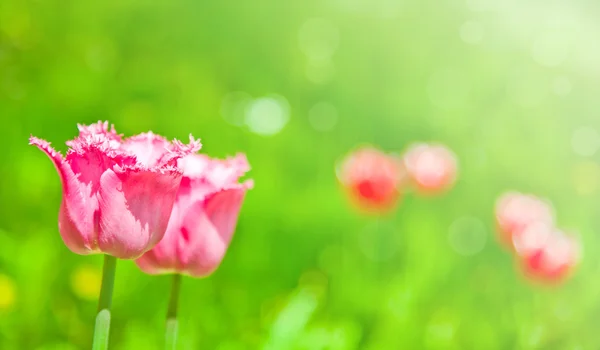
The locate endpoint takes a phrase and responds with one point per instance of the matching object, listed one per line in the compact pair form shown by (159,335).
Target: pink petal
(147,147)
(197,236)
(77,242)
(228,172)
(185,149)
(163,258)
(96,135)
(515,212)
(154,150)
(218,172)
(179,150)
(207,231)
(76,216)
(99,128)
(155,262)
(554,259)
(432,167)
(207,175)
(55,157)
(135,206)
(203,218)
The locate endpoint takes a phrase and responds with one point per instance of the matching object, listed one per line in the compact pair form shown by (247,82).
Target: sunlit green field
(511,86)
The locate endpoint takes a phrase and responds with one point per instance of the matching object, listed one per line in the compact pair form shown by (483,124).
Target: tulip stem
(172,323)
(102,328)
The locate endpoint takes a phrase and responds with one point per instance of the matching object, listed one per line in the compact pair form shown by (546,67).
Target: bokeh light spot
(585,141)
(323,116)
(467,235)
(267,115)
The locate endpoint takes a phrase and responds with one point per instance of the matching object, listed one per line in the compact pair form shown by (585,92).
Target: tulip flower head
(203,219)
(432,168)
(547,254)
(516,211)
(543,252)
(371,179)
(117,193)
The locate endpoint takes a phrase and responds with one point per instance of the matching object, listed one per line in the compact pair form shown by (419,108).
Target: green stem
(104,302)
(172,324)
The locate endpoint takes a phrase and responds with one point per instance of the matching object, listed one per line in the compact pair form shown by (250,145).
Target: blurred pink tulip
(371,179)
(117,194)
(516,211)
(543,252)
(432,168)
(203,219)
(547,254)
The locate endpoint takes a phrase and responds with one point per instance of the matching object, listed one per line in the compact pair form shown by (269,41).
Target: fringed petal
(148,148)
(178,150)
(101,128)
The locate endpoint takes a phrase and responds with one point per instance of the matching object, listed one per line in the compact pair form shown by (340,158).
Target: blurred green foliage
(512,86)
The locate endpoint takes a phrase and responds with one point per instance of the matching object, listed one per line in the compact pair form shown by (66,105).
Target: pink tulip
(432,168)
(117,194)
(516,211)
(203,219)
(546,254)
(371,179)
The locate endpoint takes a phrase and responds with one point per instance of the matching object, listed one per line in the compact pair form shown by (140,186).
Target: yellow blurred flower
(85,282)
(7,292)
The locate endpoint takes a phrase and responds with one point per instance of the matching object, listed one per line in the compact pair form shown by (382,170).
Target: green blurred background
(511,86)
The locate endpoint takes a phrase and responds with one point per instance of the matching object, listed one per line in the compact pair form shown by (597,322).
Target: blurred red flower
(516,211)
(547,254)
(543,252)
(371,178)
(432,168)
